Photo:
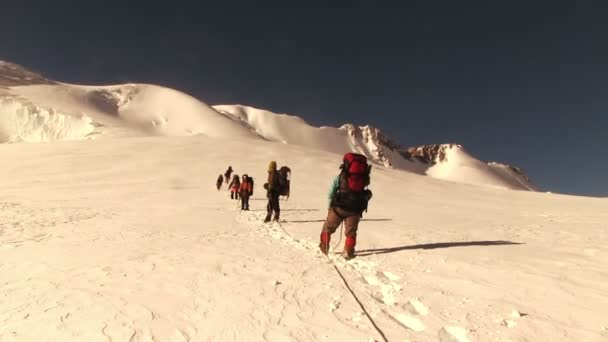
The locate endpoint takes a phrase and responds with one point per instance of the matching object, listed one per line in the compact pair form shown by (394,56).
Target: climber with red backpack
(348,199)
(234,187)
(245,191)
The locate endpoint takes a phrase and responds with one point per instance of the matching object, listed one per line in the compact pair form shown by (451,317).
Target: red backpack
(356,171)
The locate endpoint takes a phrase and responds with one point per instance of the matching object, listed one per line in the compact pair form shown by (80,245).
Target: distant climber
(220,181)
(234,186)
(227,174)
(348,199)
(272,193)
(246,190)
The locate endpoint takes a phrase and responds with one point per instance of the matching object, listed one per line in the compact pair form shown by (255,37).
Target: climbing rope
(347,285)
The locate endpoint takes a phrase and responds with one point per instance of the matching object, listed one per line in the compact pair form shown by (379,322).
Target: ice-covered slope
(143,108)
(24,121)
(33,108)
(127,240)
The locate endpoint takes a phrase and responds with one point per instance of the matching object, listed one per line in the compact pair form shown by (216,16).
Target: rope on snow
(369,317)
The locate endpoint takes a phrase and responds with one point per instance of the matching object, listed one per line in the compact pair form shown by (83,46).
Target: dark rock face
(428,154)
(15,75)
(103,100)
(374,141)
(519,172)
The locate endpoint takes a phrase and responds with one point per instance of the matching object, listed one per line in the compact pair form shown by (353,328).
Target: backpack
(250,180)
(235,184)
(356,171)
(284,180)
(354,178)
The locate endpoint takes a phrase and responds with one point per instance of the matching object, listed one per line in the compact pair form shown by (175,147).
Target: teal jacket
(333,188)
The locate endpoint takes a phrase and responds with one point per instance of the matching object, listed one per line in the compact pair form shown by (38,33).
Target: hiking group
(240,188)
(348,197)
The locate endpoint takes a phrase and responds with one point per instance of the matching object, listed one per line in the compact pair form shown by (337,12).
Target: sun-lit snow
(146,108)
(128,239)
(288,129)
(25,122)
(459,166)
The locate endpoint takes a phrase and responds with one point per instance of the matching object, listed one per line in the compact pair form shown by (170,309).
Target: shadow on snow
(362,220)
(365,252)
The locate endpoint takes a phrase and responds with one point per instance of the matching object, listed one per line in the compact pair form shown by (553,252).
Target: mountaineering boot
(267,219)
(276,218)
(349,247)
(324,244)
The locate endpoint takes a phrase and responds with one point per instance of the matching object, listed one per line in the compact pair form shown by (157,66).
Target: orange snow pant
(335,217)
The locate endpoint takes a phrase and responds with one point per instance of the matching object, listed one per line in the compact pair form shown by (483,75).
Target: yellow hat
(272,165)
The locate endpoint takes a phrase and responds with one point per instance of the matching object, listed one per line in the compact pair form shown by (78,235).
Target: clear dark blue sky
(524,83)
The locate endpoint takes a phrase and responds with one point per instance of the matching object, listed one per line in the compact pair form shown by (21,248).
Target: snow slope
(453,163)
(143,108)
(127,239)
(288,129)
(448,161)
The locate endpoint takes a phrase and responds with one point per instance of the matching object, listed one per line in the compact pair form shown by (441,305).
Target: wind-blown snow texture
(22,121)
(122,236)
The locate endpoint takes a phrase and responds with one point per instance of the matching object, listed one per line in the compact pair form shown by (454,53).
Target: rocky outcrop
(516,170)
(428,154)
(370,141)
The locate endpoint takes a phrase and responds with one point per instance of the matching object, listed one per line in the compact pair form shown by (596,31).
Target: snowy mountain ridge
(439,154)
(373,143)
(12,74)
(36,109)
(444,161)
